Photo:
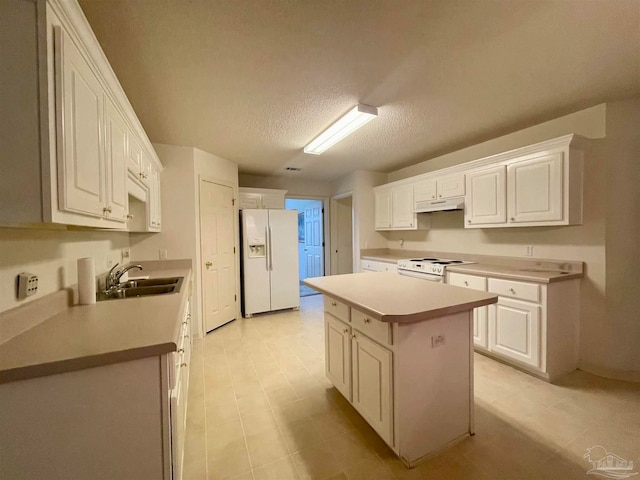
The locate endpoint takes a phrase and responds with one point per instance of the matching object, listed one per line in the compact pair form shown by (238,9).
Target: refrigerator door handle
(267,248)
(270,256)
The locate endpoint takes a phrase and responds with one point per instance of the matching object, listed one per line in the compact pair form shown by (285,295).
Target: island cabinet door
(338,354)
(372,384)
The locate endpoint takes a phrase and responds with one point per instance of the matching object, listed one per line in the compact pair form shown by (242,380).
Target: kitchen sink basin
(142,288)
(150,282)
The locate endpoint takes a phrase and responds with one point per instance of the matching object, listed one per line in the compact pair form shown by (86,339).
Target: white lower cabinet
(338,354)
(474,282)
(361,370)
(375,266)
(533,326)
(124,420)
(390,372)
(514,330)
(372,395)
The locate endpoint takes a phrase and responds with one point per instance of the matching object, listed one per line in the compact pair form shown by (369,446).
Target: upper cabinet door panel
(425,190)
(116,163)
(402,207)
(486,196)
(79,107)
(383,209)
(452,186)
(535,189)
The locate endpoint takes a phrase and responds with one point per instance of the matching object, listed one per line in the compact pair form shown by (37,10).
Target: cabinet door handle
(334,304)
(466,284)
(512,291)
(366,320)
(512,219)
(346,330)
(208,264)
(183,364)
(468,221)
(353,335)
(181,350)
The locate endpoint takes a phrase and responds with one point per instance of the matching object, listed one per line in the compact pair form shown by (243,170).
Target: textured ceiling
(254,81)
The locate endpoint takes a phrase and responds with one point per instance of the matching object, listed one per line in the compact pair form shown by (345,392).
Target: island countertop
(390,297)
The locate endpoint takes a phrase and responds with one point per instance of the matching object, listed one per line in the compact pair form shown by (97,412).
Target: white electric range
(428,268)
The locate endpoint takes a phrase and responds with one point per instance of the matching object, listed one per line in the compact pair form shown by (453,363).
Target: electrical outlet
(27,285)
(162,254)
(528,250)
(437,341)
(126,255)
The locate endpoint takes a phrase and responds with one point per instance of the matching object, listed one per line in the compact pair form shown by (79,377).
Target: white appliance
(269,272)
(428,268)
(456,203)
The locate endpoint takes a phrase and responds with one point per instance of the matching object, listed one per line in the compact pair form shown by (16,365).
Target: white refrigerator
(269,260)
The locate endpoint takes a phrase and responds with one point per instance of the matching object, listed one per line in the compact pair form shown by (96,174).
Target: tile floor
(260,407)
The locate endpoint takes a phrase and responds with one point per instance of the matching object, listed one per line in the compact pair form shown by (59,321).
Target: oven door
(422,276)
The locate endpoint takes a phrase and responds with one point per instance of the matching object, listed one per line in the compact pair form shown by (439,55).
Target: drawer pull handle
(334,304)
(183,364)
(181,350)
(512,219)
(366,320)
(184,323)
(512,291)
(353,335)
(466,284)
(346,330)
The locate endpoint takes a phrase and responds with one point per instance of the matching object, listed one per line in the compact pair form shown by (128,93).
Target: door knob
(208,264)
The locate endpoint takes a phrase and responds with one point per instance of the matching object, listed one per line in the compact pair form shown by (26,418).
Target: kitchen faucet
(113,278)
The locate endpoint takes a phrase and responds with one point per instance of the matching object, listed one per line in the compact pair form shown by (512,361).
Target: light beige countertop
(389,297)
(111,331)
(512,268)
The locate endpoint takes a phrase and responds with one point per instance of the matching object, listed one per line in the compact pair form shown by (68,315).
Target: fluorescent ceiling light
(353,120)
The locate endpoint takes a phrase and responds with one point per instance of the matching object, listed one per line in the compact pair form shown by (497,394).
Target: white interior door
(217,254)
(313,240)
(282,247)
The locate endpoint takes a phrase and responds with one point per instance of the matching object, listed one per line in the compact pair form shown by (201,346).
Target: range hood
(456,203)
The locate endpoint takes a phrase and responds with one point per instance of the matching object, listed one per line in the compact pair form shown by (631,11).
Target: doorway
(310,239)
(342,234)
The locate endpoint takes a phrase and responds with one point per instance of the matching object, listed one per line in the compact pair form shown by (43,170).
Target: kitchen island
(400,350)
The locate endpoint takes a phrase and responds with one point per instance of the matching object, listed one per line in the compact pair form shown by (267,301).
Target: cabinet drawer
(510,288)
(337,309)
(467,281)
(369,266)
(372,328)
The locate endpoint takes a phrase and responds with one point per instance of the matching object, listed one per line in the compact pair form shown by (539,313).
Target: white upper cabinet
(402,215)
(534,189)
(261,198)
(532,186)
(394,209)
(383,209)
(72,128)
(486,197)
(438,189)
(116,160)
(80,121)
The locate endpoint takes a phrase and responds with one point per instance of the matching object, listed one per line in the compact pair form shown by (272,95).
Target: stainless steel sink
(150,282)
(142,288)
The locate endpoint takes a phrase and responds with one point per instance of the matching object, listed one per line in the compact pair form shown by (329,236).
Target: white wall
(183,167)
(294,186)
(52,255)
